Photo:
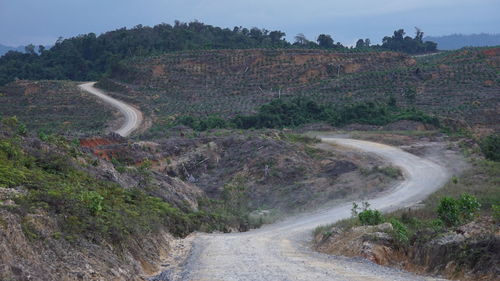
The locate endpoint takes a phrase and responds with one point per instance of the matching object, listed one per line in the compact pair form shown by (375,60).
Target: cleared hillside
(236,81)
(461,85)
(54,106)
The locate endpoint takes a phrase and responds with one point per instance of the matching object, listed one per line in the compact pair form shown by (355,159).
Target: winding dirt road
(133,117)
(282,252)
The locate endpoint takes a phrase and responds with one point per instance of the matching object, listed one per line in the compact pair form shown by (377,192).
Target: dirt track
(133,117)
(281,251)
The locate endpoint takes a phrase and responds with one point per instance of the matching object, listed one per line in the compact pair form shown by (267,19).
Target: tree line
(89,57)
(292,113)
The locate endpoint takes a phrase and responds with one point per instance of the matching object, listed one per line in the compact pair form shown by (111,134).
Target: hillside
(458,41)
(460,85)
(235,81)
(91,56)
(54,107)
(107,208)
(94,207)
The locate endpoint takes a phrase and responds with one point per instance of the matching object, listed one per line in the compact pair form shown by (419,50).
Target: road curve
(133,117)
(281,251)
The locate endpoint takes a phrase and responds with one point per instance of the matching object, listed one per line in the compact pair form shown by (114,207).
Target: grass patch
(454,204)
(481,180)
(297,138)
(390,171)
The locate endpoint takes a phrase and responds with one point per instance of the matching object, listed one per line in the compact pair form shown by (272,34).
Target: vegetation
(87,57)
(367,216)
(88,207)
(370,217)
(281,113)
(442,211)
(453,212)
(54,107)
(399,42)
(490,146)
(481,180)
(458,86)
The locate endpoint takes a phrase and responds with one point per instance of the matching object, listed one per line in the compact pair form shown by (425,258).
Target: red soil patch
(94,142)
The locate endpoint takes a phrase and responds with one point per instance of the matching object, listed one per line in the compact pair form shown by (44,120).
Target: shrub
(453,212)
(468,206)
(496,212)
(389,171)
(282,113)
(490,146)
(449,211)
(399,232)
(370,217)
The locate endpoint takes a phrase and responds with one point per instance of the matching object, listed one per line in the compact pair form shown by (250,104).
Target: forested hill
(88,57)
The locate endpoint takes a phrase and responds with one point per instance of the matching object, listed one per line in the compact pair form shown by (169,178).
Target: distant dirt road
(133,117)
(281,251)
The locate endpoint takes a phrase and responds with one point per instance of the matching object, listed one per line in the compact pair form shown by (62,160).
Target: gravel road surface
(133,117)
(281,251)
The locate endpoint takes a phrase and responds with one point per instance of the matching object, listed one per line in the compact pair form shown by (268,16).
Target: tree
(30,49)
(325,41)
(490,146)
(276,36)
(300,39)
(419,35)
(399,34)
(360,43)
(256,33)
(87,57)
(399,42)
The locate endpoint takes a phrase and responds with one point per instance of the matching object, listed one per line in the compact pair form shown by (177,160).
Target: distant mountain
(457,41)
(4,49)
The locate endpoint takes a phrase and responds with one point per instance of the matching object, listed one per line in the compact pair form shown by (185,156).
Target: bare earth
(281,251)
(133,117)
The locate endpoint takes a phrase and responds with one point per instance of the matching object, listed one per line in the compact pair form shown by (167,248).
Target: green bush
(453,212)
(449,211)
(469,206)
(370,217)
(282,113)
(85,206)
(496,212)
(490,146)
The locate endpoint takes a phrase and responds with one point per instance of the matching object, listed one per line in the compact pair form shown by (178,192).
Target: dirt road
(133,117)
(281,251)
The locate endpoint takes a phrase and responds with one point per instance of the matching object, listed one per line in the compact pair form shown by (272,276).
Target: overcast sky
(43,21)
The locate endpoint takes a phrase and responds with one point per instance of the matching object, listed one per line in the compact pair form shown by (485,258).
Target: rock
(8,193)
(8,203)
(449,238)
(378,237)
(384,227)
